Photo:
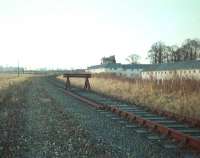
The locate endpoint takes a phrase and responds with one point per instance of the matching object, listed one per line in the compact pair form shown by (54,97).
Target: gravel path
(52,132)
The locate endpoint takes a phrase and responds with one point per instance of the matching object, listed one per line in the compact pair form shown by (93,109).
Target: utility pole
(18,68)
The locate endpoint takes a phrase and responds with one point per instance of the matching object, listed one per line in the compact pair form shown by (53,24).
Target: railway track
(168,132)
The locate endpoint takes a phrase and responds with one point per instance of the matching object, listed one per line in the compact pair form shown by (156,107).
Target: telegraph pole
(18,68)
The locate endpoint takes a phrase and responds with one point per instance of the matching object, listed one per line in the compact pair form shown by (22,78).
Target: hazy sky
(77,33)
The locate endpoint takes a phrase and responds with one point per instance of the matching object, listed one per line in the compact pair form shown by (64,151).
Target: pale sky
(77,33)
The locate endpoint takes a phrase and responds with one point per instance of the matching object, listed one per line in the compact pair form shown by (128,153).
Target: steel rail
(194,122)
(183,139)
(191,121)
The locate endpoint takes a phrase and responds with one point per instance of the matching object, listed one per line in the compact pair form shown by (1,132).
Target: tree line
(161,53)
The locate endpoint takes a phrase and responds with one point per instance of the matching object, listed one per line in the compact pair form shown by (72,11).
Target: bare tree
(172,54)
(191,49)
(133,59)
(157,52)
(161,53)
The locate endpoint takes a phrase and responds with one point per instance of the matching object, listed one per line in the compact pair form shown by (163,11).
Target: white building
(128,70)
(106,68)
(186,69)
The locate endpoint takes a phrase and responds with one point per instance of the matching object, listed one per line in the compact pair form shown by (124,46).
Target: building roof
(192,64)
(109,65)
(135,66)
(118,65)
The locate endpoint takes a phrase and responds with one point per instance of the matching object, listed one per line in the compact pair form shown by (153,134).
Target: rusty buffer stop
(77,75)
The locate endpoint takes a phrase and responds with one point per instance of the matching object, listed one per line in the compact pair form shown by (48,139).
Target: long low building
(128,70)
(186,69)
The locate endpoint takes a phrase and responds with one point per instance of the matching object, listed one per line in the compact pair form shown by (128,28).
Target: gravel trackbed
(37,120)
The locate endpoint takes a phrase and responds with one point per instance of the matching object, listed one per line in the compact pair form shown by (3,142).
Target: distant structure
(128,70)
(109,65)
(108,60)
(185,69)
(10,69)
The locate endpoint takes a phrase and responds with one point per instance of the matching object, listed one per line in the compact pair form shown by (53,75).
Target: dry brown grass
(179,96)
(7,81)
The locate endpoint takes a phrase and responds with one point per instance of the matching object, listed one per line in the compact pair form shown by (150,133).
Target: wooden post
(67,83)
(87,84)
